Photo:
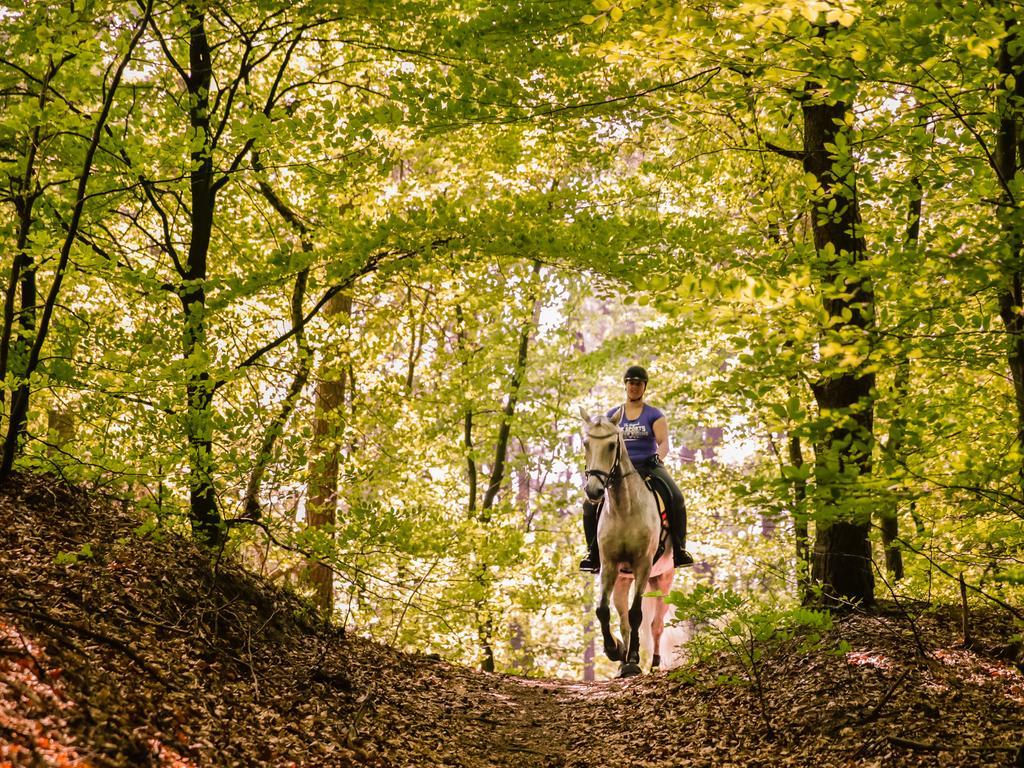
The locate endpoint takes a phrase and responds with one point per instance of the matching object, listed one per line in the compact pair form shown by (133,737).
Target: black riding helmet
(635,372)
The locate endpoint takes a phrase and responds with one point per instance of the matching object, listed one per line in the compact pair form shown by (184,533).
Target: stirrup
(590,566)
(681,558)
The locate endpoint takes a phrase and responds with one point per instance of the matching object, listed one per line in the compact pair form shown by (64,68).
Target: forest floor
(134,653)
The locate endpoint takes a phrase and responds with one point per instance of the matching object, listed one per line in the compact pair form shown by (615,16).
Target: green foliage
(433,154)
(751,635)
(748,632)
(72,558)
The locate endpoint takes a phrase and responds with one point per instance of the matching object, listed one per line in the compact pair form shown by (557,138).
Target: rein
(611,479)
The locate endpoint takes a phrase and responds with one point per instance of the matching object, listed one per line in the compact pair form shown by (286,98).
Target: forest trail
(120,647)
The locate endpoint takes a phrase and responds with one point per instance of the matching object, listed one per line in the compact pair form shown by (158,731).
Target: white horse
(628,534)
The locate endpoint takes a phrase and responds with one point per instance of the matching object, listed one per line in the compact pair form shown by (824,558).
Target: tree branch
(792,154)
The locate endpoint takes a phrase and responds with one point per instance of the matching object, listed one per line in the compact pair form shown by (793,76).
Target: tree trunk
(508,413)
(60,430)
(418,333)
(275,428)
(22,276)
(322,504)
(303,358)
(842,551)
(18,424)
(485,637)
(800,532)
(29,350)
(1009,160)
(467,416)
(485,621)
(889,517)
(23,203)
(204,515)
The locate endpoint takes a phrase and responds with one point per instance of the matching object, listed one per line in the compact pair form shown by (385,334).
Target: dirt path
(524,723)
(451,716)
(876,705)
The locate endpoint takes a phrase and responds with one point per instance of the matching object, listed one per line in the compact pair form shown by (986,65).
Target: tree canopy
(324,285)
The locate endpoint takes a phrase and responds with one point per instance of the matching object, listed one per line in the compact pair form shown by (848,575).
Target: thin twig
(965,622)
(1002,604)
(876,710)
(364,705)
(921,650)
(111,642)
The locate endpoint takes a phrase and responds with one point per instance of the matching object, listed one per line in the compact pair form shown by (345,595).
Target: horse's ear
(584,415)
(616,414)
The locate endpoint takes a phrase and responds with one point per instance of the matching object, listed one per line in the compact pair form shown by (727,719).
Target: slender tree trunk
(842,551)
(418,331)
(23,275)
(18,423)
(467,416)
(889,517)
(508,413)
(60,430)
(274,430)
(322,505)
(803,549)
(27,331)
(471,471)
(24,201)
(204,515)
(1009,161)
(485,636)
(485,621)
(303,358)
(36,333)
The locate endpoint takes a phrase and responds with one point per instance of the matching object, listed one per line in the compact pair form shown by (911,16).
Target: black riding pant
(677,507)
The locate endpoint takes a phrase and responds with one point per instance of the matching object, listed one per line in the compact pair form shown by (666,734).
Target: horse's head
(602,442)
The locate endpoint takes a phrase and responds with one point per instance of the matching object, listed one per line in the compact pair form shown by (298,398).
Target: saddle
(662,498)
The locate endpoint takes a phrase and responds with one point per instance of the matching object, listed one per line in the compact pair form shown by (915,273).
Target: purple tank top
(639,433)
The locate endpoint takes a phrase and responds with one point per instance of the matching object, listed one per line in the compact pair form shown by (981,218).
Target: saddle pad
(662,497)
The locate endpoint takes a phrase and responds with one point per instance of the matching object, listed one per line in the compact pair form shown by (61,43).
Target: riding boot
(677,527)
(592,562)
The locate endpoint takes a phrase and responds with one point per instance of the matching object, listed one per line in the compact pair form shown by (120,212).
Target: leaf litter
(134,652)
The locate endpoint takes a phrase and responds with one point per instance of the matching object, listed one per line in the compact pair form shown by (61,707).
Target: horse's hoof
(630,670)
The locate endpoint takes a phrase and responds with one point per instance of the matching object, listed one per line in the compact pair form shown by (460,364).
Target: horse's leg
(612,647)
(620,597)
(641,570)
(657,627)
(660,584)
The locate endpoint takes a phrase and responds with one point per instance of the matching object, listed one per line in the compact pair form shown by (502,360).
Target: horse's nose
(594,490)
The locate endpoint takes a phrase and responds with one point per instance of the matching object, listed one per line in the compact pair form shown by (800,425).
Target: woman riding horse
(629,533)
(645,430)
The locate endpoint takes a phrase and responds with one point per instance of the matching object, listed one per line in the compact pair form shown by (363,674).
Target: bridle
(610,479)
